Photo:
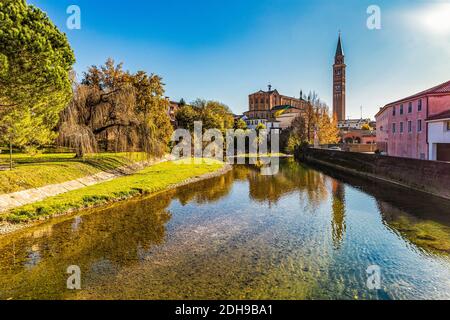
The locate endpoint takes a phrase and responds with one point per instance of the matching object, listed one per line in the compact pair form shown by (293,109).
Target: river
(302,234)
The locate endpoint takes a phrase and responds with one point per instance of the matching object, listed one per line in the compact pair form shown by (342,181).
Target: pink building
(402,127)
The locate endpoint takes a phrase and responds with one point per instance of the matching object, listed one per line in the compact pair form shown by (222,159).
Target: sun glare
(436,18)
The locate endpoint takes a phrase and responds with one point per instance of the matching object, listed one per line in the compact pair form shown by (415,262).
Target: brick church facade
(265,104)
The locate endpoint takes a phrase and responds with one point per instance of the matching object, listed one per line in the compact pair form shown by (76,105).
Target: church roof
(284,107)
(269,92)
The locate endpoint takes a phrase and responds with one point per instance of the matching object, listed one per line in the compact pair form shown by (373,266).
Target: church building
(273,109)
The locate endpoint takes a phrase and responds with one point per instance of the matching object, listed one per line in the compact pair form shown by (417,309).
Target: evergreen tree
(35,65)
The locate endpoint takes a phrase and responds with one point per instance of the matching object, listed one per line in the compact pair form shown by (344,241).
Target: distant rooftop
(356,120)
(283,107)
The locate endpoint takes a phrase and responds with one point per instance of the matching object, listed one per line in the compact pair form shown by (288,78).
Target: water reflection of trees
(115,237)
(207,190)
(292,177)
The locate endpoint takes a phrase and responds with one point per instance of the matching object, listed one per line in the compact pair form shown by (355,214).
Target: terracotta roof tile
(439,89)
(442,88)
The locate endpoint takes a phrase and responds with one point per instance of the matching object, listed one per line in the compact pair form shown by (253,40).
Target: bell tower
(339,82)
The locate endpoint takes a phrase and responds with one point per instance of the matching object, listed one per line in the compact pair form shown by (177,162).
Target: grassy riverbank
(44,169)
(150,180)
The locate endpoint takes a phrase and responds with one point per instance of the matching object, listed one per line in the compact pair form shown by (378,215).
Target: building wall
(286,120)
(368,140)
(261,101)
(382,130)
(438,104)
(437,133)
(361,148)
(358,136)
(261,104)
(409,143)
(253,124)
(409,139)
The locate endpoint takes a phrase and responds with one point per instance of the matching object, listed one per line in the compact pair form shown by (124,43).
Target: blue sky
(225,49)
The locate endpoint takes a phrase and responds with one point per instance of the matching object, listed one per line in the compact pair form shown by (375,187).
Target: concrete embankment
(432,177)
(21,198)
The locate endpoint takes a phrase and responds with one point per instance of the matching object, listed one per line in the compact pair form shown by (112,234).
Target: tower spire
(339,51)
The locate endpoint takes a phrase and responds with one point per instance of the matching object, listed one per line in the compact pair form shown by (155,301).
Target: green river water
(301,234)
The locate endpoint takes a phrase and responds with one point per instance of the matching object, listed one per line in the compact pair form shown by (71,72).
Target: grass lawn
(43,169)
(150,180)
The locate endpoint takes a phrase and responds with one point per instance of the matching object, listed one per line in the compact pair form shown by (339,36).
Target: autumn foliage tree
(313,122)
(212,114)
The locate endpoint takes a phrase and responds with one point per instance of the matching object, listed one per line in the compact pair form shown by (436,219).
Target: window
(419,105)
(448,125)
(419,125)
(381,128)
(393,111)
(410,107)
(401,127)
(393,128)
(409,126)
(401,109)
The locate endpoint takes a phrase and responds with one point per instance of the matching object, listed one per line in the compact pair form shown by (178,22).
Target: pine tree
(35,63)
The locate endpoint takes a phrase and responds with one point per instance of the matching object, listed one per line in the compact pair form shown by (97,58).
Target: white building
(439,137)
(350,124)
(269,125)
(285,120)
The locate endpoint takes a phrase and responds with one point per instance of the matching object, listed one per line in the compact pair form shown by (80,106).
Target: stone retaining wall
(427,176)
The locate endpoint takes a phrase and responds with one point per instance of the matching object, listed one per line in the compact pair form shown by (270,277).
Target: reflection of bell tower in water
(338,215)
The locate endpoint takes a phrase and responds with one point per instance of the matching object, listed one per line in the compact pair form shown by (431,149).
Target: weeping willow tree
(114,110)
(74,132)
